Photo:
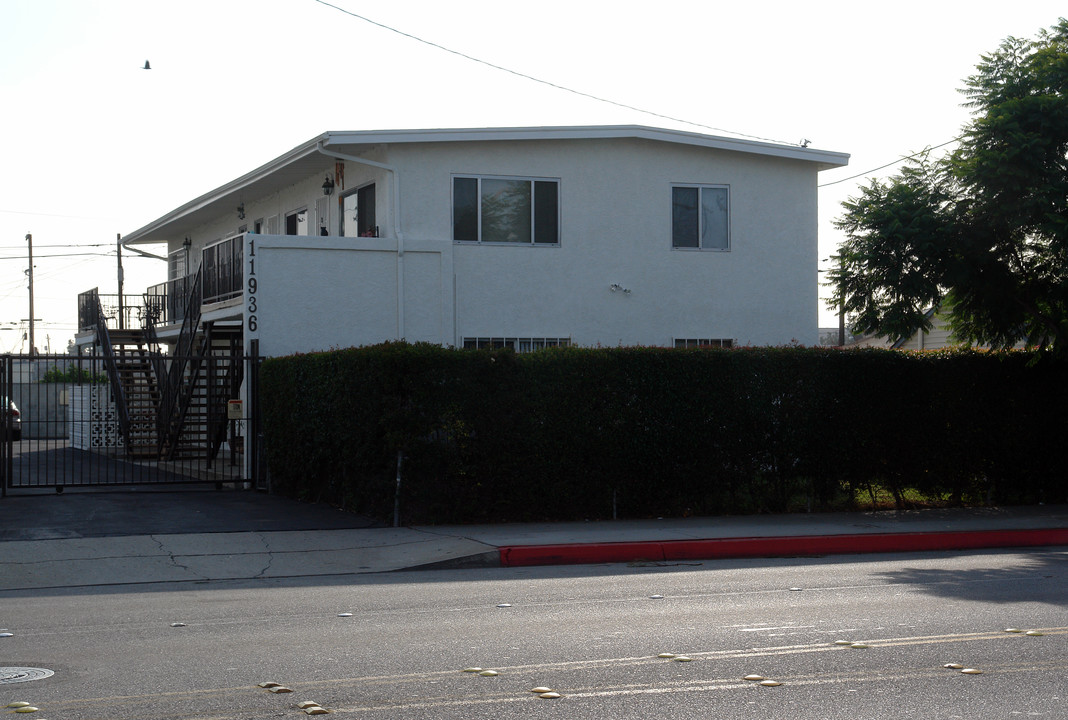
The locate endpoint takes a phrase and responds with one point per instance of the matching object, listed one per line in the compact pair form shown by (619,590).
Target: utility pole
(29,272)
(122,310)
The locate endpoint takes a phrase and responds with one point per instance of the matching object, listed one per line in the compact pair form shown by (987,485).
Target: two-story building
(529,237)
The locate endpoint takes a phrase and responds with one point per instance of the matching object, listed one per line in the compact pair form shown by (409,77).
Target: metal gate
(76,420)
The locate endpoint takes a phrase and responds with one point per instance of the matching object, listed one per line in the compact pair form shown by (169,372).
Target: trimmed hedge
(573,433)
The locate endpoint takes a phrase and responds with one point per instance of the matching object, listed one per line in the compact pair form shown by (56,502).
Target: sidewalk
(118,537)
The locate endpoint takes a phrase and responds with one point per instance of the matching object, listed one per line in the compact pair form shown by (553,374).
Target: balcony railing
(127,314)
(222,266)
(166,303)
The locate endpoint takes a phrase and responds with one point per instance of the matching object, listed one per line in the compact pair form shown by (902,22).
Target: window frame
(532,181)
(701,187)
(296,213)
(365,198)
(517,344)
(690,343)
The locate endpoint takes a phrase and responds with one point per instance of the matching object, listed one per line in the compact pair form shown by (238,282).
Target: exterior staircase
(139,392)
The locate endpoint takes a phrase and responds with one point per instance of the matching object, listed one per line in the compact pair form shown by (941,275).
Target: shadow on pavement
(146,510)
(1026,582)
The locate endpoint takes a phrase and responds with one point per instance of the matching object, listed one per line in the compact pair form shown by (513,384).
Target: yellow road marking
(232,693)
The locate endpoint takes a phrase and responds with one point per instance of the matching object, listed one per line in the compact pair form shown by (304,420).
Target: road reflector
(344,614)
(504,605)
(843,642)
(489,673)
(683,658)
(279,689)
(795,589)
(971,671)
(7,634)
(754,678)
(27,709)
(17,704)
(307,704)
(550,695)
(269,684)
(666,655)
(656,597)
(953,666)
(540,690)
(178,624)
(770,683)
(1033,633)
(316,710)
(858,646)
(473,669)
(1013,630)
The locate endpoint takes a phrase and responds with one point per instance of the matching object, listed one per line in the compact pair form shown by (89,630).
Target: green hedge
(573,433)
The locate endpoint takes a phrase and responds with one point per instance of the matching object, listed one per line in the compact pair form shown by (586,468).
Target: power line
(62,255)
(545,82)
(890,164)
(54,215)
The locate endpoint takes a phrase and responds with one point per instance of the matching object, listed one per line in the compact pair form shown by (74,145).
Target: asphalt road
(590,632)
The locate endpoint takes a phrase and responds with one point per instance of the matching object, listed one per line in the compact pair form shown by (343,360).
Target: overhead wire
(591,96)
(541,81)
(891,164)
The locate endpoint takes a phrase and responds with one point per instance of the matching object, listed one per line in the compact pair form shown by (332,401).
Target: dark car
(12,419)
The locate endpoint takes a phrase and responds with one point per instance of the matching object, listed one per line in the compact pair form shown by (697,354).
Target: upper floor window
(297,222)
(358,212)
(506,210)
(700,217)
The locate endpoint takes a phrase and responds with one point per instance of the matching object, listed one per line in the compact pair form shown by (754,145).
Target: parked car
(12,419)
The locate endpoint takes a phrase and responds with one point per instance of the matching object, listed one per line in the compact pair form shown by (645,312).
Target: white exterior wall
(317,293)
(323,293)
(616,228)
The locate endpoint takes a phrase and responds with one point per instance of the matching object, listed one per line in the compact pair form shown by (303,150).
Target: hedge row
(572,433)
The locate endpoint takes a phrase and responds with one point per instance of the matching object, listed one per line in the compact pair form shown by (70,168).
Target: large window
(700,217)
(505,210)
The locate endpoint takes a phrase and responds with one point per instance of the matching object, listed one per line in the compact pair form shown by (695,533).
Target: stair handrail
(171,411)
(111,366)
(155,354)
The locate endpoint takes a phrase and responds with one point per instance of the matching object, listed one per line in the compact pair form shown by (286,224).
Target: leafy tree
(981,232)
(72,375)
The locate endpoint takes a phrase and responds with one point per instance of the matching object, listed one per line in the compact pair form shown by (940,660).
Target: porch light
(241,211)
(328,186)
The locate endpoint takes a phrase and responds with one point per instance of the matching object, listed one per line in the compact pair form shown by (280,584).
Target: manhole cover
(21,674)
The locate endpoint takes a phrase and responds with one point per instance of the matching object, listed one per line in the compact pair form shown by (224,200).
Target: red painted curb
(572,554)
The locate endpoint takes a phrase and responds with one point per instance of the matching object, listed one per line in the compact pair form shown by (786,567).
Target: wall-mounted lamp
(186,243)
(616,287)
(328,186)
(241,211)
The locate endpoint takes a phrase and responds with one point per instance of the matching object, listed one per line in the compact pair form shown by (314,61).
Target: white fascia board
(824,158)
(143,235)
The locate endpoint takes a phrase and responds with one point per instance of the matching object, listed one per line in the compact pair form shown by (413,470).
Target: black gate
(78,420)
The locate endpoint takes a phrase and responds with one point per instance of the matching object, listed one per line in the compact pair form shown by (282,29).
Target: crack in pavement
(174,558)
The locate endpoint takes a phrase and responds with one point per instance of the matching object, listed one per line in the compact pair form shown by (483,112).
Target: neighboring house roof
(305,159)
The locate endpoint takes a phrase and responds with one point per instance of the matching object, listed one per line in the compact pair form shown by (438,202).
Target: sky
(93,146)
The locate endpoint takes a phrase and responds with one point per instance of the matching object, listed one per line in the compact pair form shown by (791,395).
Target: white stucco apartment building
(621,235)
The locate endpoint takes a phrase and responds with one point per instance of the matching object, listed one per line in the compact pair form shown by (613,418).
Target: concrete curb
(615,552)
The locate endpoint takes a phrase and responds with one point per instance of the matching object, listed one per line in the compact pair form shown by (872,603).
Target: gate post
(6,441)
